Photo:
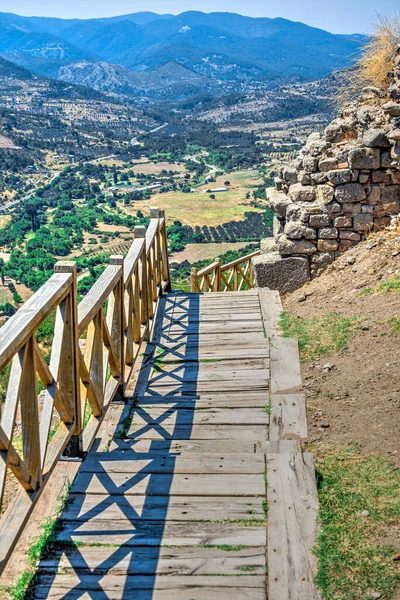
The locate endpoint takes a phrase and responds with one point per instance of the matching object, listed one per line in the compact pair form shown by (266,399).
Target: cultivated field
(197,208)
(196,252)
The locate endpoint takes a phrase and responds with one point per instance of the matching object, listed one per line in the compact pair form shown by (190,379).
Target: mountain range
(150,53)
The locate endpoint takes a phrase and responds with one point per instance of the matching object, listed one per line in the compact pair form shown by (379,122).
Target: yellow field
(198,208)
(151,168)
(195,252)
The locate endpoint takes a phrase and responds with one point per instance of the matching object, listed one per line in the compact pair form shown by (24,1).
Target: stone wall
(344,184)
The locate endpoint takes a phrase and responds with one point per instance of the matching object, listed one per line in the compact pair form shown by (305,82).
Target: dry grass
(375,63)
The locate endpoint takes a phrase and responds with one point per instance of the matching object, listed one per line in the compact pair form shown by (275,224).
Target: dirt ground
(353,395)
(195,252)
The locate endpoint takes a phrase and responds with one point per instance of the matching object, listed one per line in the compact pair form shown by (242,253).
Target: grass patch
(43,546)
(268,407)
(395,323)
(353,562)
(390,285)
(320,335)
(224,547)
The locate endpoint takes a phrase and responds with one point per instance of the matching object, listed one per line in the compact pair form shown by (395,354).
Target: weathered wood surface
(292,519)
(288,418)
(186,468)
(285,366)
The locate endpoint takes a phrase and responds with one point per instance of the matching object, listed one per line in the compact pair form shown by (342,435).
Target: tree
(212,196)
(2,273)
(115,178)
(227,183)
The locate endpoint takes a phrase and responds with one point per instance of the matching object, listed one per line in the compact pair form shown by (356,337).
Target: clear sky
(338,16)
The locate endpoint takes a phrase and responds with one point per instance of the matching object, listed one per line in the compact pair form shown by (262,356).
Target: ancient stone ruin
(344,184)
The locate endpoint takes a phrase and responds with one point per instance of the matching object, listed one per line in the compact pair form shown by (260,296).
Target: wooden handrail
(94,349)
(231,277)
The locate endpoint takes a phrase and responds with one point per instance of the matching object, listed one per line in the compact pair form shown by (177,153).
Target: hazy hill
(221,46)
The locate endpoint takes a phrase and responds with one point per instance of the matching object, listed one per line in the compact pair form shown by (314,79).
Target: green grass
(353,560)
(268,407)
(224,547)
(321,335)
(390,285)
(41,547)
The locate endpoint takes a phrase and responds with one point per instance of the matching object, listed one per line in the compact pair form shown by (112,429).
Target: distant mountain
(9,69)
(222,47)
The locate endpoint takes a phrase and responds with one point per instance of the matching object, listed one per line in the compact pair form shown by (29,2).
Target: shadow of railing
(115,519)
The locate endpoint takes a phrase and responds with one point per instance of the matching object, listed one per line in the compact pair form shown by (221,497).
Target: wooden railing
(235,276)
(94,349)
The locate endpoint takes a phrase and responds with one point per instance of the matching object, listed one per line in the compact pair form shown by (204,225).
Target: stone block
(350,192)
(390,197)
(333,208)
(339,176)
(278,201)
(325,194)
(367,208)
(283,274)
(310,164)
(268,245)
(364,178)
(376,138)
(345,221)
(352,209)
(322,258)
(355,173)
(392,109)
(374,197)
(288,247)
(328,233)
(277,225)
(302,193)
(304,178)
(297,231)
(362,222)
(328,164)
(334,133)
(289,174)
(365,158)
(381,176)
(394,135)
(320,220)
(318,178)
(327,245)
(350,235)
(386,161)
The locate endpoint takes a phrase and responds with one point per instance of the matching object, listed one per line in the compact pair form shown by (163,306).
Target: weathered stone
(333,208)
(362,222)
(395,177)
(328,233)
(381,176)
(365,158)
(268,245)
(394,135)
(350,192)
(376,138)
(277,225)
(322,258)
(392,109)
(328,164)
(284,274)
(327,245)
(339,176)
(296,231)
(318,178)
(301,193)
(278,201)
(310,164)
(287,247)
(289,174)
(352,209)
(374,197)
(367,208)
(345,221)
(325,194)
(278,183)
(350,235)
(320,220)
(355,173)
(364,178)
(390,197)
(334,133)
(304,178)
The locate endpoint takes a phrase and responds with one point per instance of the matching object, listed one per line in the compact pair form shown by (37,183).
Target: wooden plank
(203,432)
(194,366)
(175,484)
(87,508)
(288,417)
(271,310)
(188,374)
(156,533)
(97,296)
(292,525)
(154,416)
(235,327)
(120,461)
(285,366)
(192,445)
(232,400)
(157,561)
(161,587)
(200,387)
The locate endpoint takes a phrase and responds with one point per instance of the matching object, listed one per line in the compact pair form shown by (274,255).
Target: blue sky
(338,16)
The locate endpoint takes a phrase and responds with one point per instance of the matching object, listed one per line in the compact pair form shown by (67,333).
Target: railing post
(74,447)
(217,278)
(166,275)
(140,233)
(193,280)
(117,327)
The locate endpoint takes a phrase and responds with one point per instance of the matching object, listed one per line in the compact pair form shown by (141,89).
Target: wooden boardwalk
(171,502)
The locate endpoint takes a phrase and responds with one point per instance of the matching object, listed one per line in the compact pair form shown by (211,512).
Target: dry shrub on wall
(375,63)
